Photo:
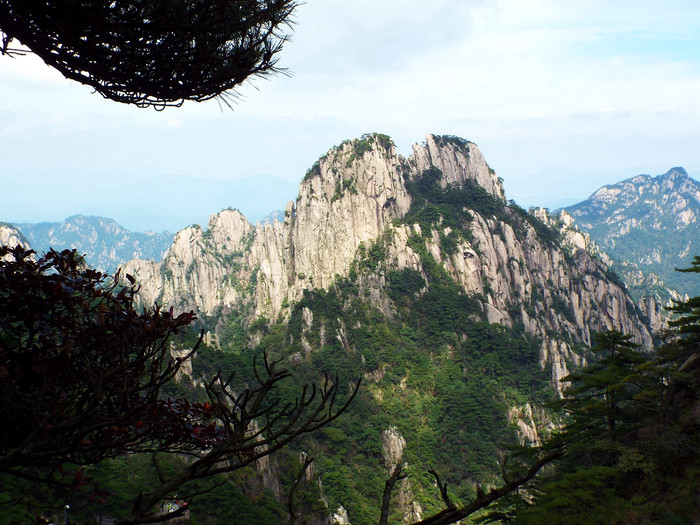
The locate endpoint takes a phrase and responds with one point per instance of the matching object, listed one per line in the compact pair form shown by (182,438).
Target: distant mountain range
(630,221)
(648,226)
(105,243)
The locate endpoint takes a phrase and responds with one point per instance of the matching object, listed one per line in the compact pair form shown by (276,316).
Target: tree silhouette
(688,316)
(151,52)
(81,378)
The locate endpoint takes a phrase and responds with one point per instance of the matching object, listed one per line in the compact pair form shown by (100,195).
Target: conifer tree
(151,53)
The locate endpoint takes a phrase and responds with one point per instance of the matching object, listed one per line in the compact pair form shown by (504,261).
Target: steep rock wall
(355,196)
(202,270)
(459,160)
(11,237)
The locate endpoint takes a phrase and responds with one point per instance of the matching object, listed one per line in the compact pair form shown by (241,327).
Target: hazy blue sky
(561,97)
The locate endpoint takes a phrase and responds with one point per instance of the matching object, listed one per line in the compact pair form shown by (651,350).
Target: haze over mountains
(628,220)
(174,201)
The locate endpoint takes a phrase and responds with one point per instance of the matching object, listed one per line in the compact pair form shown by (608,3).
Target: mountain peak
(459,160)
(631,221)
(676,172)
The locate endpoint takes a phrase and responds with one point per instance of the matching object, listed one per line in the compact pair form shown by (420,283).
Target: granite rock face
(352,200)
(349,198)
(11,236)
(459,160)
(648,226)
(393,444)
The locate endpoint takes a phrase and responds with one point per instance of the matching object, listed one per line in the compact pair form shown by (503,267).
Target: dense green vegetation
(239,499)
(631,435)
(441,375)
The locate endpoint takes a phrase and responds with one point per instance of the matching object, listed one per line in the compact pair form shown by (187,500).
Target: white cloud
(544,86)
(515,59)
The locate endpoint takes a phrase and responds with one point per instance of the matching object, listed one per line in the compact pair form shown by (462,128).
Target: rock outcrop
(530,424)
(631,221)
(459,160)
(393,444)
(202,269)
(352,202)
(11,236)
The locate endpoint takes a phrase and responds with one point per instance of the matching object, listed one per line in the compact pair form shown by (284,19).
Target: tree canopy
(151,52)
(630,434)
(80,369)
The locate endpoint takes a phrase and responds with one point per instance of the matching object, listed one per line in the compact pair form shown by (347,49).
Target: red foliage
(80,368)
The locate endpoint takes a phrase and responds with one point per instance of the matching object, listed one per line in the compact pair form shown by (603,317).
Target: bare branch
(395,477)
(293,514)
(242,447)
(482,500)
(443,491)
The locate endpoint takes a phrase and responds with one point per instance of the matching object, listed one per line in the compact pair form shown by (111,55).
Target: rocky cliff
(361,202)
(648,226)
(11,236)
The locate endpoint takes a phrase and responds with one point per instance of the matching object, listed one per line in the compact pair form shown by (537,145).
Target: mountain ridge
(105,244)
(351,206)
(631,221)
(460,311)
